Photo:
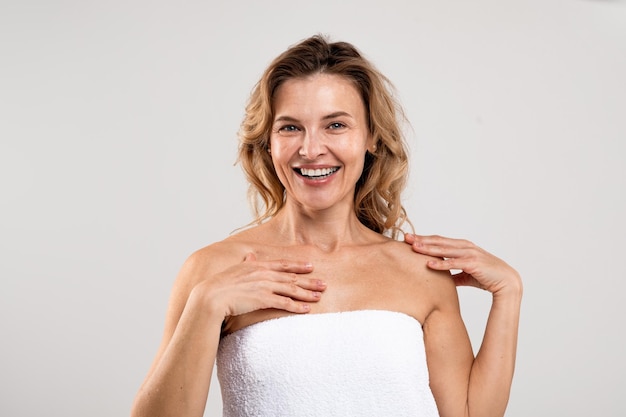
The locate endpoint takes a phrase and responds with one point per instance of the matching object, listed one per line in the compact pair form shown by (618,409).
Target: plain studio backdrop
(118,124)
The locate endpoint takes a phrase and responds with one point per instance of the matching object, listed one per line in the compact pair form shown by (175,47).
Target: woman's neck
(328,230)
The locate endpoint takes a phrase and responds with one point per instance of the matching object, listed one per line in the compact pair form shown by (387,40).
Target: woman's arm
(466,385)
(178,381)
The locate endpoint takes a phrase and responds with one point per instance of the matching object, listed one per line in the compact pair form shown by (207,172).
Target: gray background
(118,125)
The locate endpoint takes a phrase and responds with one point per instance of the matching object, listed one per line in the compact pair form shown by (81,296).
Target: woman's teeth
(318,172)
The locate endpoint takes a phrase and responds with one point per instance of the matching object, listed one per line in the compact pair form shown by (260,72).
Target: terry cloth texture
(355,363)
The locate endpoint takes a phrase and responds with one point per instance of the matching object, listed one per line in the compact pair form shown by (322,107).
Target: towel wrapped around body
(355,363)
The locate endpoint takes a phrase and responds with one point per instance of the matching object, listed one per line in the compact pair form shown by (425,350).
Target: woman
(317,309)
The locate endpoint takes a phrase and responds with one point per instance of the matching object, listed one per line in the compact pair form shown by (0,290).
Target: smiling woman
(377,196)
(318,141)
(317,309)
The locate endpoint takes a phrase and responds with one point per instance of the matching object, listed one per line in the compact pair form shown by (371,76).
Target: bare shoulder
(401,254)
(210,259)
(402,257)
(438,285)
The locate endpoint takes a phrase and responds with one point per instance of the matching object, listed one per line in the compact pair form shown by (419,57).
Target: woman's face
(318,141)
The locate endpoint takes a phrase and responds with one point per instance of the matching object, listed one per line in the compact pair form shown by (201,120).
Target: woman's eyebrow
(332,115)
(337,114)
(285,119)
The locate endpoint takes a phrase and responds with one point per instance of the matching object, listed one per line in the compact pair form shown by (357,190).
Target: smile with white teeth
(317,173)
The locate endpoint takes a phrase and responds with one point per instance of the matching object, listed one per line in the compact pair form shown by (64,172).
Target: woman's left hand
(479,268)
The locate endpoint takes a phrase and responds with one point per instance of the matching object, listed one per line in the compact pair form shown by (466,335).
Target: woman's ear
(371,146)
(370,143)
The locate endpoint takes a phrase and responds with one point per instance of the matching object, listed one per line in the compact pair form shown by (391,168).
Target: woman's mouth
(317,173)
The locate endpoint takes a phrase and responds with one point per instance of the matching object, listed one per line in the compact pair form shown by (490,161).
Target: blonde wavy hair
(377,197)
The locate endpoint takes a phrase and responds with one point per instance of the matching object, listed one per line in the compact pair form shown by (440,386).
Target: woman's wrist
(513,291)
(202,300)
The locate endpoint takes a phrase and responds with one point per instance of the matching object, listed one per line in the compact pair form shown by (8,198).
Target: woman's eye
(288,128)
(336,125)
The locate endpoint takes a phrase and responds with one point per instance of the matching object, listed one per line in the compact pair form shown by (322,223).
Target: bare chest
(356,280)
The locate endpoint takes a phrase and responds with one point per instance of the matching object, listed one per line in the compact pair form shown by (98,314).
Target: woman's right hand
(254,285)
(201,300)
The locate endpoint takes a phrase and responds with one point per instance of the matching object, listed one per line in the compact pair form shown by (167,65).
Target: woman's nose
(312,145)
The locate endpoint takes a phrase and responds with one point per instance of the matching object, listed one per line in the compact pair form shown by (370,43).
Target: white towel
(356,363)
